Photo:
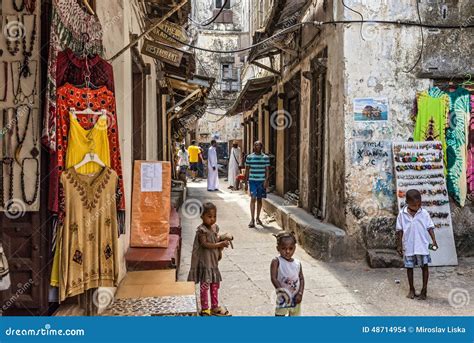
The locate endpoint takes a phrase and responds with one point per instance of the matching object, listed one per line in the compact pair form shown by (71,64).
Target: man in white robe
(212,168)
(235,161)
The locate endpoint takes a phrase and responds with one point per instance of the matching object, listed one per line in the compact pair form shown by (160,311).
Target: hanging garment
(432,117)
(71,68)
(456,139)
(98,99)
(87,240)
(212,170)
(74,28)
(470,153)
(235,161)
(82,141)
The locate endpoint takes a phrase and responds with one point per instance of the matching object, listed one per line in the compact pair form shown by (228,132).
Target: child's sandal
(220,312)
(205,313)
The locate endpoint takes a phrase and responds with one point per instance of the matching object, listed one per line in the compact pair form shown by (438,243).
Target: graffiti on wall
(372,154)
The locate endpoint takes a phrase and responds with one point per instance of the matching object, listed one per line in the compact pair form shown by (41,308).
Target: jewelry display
(418,167)
(439,215)
(18,8)
(402,194)
(430,203)
(418,177)
(18,93)
(5,81)
(22,180)
(28,52)
(432,183)
(407,158)
(12,36)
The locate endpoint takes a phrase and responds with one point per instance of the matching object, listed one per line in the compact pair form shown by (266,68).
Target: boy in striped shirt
(257,167)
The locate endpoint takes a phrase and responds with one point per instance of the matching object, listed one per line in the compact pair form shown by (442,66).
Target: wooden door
(292,135)
(139,114)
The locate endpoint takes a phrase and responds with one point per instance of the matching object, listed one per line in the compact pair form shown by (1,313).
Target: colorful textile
(82,142)
(470,153)
(87,238)
(432,117)
(258,164)
(204,295)
(456,138)
(71,27)
(71,68)
(68,97)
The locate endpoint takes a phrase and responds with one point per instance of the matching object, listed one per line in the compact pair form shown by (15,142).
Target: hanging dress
(74,28)
(97,100)
(82,141)
(87,236)
(432,117)
(470,154)
(456,137)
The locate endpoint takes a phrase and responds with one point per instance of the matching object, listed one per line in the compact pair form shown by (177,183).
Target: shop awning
(189,95)
(254,89)
(158,8)
(284,14)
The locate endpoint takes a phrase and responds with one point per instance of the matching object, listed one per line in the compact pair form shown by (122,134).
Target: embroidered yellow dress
(82,141)
(87,237)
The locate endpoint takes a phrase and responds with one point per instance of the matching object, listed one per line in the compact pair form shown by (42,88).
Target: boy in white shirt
(414,226)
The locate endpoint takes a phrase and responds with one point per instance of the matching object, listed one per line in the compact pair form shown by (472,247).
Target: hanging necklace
(20,139)
(34,151)
(28,52)
(30,5)
(5,77)
(18,8)
(12,35)
(22,180)
(9,162)
(19,95)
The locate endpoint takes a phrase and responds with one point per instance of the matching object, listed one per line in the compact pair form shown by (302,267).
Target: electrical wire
(361,16)
(422,40)
(316,23)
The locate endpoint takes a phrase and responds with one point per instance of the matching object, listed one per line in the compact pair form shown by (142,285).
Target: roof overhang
(284,14)
(254,89)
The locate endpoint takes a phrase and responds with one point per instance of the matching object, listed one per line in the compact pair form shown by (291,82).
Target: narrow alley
(332,289)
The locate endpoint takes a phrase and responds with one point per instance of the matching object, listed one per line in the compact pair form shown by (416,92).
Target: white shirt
(289,275)
(415,231)
(183,158)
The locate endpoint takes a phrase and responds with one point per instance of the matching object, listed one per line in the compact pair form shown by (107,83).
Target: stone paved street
(332,289)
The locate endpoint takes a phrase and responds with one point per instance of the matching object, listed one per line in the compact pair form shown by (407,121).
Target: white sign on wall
(152,177)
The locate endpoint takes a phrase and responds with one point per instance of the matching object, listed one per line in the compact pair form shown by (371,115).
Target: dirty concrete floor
(332,289)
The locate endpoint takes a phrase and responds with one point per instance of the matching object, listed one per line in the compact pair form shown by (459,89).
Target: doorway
(292,133)
(139,111)
(317,146)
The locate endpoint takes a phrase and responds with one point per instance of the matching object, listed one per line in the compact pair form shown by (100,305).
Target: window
(226,71)
(220,3)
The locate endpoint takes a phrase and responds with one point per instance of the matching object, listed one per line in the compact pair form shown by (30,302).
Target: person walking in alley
(212,168)
(183,162)
(287,277)
(205,261)
(200,165)
(414,226)
(194,151)
(257,166)
(235,161)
